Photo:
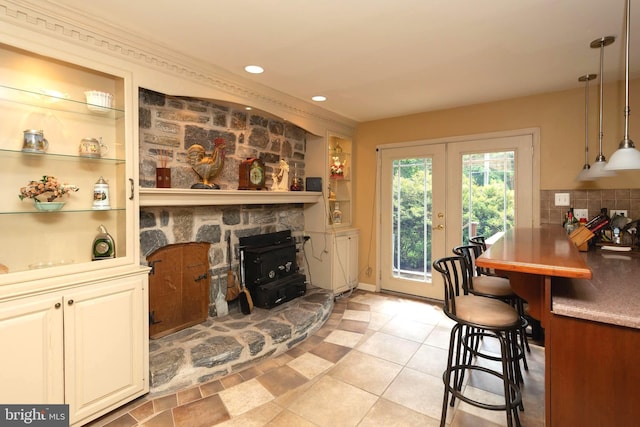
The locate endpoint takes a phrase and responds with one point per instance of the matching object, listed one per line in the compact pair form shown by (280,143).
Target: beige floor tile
(344,338)
(330,403)
(359,315)
(257,417)
(417,391)
(244,397)
(200,413)
(354,326)
(143,412)
(165,402)
(354,305)
(378,320)
(163,419)
(405,327)
(497,417)
(421,312)
(388,307)
(390,414)
(465,419)
(289,419)
(125,420)
(388,347)
(429,360)
(366,372)
(281,380)
(188,395)
(331,352)
(310,365)
(439,337)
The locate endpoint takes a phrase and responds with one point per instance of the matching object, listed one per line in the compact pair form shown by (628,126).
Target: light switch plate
(563,199)
(615,212)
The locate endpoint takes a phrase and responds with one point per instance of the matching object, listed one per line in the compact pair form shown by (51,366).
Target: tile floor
(378,361)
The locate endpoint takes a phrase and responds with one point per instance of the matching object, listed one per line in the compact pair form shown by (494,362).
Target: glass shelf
(56,156)
(61,211)
(47,101)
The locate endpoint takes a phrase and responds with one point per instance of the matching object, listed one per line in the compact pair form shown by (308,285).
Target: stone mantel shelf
(189,197)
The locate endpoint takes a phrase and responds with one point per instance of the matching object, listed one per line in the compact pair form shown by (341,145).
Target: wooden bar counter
(589,305)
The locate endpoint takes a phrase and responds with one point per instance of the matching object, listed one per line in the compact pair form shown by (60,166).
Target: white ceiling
(383,58)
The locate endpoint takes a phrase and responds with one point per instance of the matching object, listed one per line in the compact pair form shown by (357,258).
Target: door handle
(440,227)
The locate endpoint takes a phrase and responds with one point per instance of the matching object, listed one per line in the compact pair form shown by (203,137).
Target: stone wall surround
(593,200)
(173,124)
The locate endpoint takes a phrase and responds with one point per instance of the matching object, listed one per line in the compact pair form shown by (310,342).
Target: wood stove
(269,268)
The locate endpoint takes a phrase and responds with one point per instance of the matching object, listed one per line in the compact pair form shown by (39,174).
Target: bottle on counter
(572,222)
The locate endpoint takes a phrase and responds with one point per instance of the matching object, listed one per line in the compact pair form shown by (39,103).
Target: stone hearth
(227,344)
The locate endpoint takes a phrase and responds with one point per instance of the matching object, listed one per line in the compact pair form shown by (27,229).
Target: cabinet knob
(58,305)
(70,302)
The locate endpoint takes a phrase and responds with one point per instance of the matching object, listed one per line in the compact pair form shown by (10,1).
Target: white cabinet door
(345,262)
(31,360)
(105,345)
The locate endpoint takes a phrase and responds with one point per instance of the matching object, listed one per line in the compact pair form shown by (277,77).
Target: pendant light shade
(584,173)
(626,156)
(598,170)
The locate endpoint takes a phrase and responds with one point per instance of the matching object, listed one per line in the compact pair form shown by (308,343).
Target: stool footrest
(457,394)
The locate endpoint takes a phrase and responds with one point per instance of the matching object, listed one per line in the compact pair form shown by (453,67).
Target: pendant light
(626,156)
(584,173)
(598,168)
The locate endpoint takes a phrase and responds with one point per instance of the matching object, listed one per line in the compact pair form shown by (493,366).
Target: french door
(434,195)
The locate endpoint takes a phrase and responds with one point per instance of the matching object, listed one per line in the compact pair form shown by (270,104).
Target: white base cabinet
(333,259)
(86,346)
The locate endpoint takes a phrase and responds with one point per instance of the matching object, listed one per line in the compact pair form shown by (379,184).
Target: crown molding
(50,19)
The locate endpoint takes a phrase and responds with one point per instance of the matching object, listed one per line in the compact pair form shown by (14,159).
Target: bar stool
(482,242)
(475,315)
(535,324)
(483,283)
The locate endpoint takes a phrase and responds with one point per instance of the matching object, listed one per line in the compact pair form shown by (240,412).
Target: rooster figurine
(207,167)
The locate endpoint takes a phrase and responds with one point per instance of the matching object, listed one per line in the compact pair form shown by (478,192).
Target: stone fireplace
(169,125)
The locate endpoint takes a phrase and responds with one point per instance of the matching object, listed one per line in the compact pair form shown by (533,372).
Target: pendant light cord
(600,157)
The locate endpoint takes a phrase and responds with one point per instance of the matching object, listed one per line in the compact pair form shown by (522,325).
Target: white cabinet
(31,363)
(86,346)
(333,263)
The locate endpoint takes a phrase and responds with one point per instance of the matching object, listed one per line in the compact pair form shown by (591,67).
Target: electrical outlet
(581,213)
(563,199)
(615,212)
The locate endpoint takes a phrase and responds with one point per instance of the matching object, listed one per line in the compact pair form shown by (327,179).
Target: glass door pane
(412,200)
(488,190)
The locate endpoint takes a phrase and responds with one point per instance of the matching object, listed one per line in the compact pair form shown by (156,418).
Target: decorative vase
(48,206)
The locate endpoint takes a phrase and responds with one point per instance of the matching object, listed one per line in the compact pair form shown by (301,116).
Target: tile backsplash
(593,200)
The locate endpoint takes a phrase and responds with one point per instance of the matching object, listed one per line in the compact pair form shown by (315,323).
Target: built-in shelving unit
(75,319)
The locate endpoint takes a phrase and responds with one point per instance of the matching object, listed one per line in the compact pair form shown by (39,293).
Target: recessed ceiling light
(254,69)
(248,108)
(319,98)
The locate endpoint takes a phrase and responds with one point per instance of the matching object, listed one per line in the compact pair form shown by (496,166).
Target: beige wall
(559,115)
